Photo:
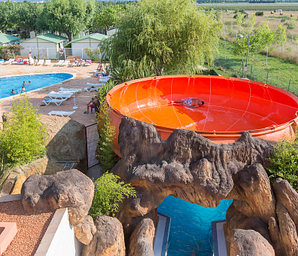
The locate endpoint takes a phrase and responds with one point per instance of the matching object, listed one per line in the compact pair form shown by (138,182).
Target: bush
(284,162)
(109,192)
(23,135)
(259,13)
(92,53)
(106,133)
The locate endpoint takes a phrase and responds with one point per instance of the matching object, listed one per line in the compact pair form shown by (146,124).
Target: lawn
(278,72)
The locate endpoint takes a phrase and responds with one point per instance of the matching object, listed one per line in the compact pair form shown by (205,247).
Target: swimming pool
(191,230)
(37,81)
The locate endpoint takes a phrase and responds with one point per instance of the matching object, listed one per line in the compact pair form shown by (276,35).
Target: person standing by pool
(31,61)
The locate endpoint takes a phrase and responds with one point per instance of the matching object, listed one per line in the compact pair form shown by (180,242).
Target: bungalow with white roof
(92,41)
(45,46)
(8,39)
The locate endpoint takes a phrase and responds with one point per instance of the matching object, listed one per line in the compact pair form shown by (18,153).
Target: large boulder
(250,243)
(66,140)
(108,239)
(70,189)
(84,231)
(142,239)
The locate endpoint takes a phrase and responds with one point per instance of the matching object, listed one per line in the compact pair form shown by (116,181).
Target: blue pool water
(37,81)
(191,230)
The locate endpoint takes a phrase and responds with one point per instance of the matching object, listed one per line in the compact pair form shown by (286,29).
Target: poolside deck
(83,76)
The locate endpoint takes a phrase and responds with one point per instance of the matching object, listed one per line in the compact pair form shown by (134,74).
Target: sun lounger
(60,95)
(65,63)
(61,113)
(58,102)
(40,62)
(8,62)
(75,90)
(59,63)
(104,79)
(47,62)
(88,63)
(92,88)
(1,61)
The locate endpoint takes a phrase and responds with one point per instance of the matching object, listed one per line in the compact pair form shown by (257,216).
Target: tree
(68,16)
(6,11)
(23,135)
(268,39)
(9,51)
(92,53)
(174,36)
(106,17)
(292,25)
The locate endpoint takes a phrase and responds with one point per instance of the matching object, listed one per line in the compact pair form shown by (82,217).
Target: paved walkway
(83,75)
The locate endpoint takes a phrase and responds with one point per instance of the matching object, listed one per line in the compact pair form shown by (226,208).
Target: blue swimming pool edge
(39,89)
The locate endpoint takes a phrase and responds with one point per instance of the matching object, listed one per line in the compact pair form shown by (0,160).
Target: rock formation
(108,239)
(66,140)
(191,167)
(70,189)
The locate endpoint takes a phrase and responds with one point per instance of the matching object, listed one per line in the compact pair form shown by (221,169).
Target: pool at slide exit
(190,230)
(38,81)
(231,105)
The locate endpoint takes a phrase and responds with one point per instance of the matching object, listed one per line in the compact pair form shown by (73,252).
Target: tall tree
(6,11)
(69,16)
(174,36)
(106,17)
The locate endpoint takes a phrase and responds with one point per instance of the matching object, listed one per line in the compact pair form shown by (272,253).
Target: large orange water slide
(231,105)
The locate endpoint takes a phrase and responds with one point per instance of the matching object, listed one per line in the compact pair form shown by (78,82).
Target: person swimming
(13,91)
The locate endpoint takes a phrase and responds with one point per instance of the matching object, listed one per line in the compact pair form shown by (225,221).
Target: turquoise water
(191,232)
(37,81)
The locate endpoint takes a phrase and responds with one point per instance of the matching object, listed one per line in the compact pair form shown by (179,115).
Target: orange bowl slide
(231,105)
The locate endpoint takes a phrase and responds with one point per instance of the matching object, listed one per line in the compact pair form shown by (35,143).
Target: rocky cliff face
(191,167)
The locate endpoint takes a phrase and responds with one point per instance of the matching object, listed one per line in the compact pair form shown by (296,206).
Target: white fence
(53,54)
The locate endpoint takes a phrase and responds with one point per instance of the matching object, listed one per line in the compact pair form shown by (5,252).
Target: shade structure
(231,106)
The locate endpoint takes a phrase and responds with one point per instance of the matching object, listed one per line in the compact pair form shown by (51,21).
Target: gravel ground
(31,228)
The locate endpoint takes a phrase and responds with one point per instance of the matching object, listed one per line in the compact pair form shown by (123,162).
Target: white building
(92,41)
(44,47)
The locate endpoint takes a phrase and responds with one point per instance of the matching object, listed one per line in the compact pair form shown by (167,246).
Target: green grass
(279,71)
(253,7)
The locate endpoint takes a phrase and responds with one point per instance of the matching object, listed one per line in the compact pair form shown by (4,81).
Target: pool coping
(74,75)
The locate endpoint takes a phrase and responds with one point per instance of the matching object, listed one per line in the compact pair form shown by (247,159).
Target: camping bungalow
(48,46)
(92,41)
(8,39)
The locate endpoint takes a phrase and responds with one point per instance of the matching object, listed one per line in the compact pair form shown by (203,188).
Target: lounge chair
(48,101)
(92,87)
(104,79)
(1,61)
(65,63)
(40,62)
(60,95)
(59,63)
(88,63)
(8,62)
(17,61)
(61,113)
(47,63)
(75,90)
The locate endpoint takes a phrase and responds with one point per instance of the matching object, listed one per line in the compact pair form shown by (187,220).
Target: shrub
(9,51)
(92,53)
(284,162)
(259,13)
(109,192)
(106,133)
(23,135)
